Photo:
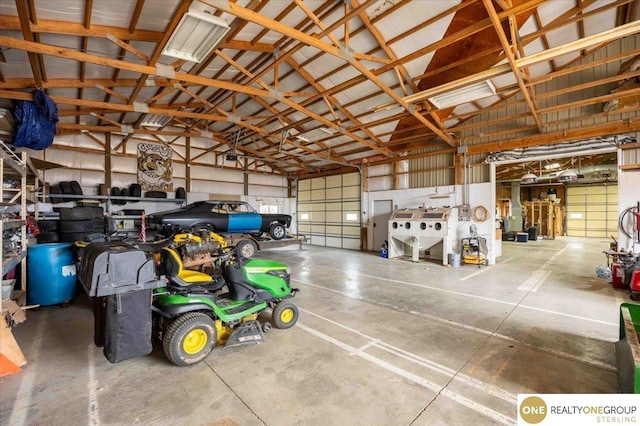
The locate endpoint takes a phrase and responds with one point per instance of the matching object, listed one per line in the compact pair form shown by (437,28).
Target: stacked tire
(78,222)
(48,231)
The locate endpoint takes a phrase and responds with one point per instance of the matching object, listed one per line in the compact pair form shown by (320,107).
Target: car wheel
(246,248)
(189,339)
(284,315)
(277,231)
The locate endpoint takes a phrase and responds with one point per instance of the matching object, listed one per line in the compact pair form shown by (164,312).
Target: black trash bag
(36,122)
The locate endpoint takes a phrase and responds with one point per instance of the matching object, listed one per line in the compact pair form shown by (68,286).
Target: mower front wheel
(284,315)
(189,339)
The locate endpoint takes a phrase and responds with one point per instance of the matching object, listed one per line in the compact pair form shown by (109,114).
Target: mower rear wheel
(246,248)
(189,339)
(284,315)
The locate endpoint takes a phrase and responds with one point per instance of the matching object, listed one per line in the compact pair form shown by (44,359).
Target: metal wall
(329,210)
(84,160)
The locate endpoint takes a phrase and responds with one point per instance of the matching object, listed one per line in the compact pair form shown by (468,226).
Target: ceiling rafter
(311,41)
(509,52)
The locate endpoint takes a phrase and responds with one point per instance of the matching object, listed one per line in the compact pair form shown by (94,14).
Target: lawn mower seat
(172,265)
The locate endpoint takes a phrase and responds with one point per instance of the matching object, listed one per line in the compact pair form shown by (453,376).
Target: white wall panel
(383,183)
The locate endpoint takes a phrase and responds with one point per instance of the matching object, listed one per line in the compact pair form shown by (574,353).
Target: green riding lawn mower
(196,311)
(142,291)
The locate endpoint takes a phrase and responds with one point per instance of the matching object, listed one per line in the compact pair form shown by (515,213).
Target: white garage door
(329,210)
(592,211)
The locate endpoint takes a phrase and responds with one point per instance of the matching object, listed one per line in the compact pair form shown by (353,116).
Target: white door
(381,212)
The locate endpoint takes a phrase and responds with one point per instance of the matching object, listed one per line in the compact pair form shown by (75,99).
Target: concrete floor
(379,342)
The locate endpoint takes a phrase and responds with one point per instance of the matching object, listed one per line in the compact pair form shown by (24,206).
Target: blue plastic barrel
(51,274)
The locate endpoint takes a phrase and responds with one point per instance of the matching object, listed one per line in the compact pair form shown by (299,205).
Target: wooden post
(107,160)
(458,164)
(187,172)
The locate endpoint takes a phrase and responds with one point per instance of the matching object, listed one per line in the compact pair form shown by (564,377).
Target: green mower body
(191,320)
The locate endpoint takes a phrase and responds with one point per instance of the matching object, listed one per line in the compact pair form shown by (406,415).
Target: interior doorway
(381,212)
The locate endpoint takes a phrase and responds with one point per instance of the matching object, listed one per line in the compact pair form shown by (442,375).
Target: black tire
(277,231)
(75,187)
(155,194)
(48,237)
(189,339)
(46,226)
(135,190)
(284,315)
(246,249)
(181,194)
(256,234)
(81,213)
(65,188)
(124,193)
(87,226)
(55,190)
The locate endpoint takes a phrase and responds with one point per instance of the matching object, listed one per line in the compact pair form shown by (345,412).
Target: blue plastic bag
(36,122)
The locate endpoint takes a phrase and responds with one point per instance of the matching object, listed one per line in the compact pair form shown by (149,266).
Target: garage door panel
(351,243)
(317,207)
(352,179)
(304,185)
(333,205)
(304,196)
(594,233)
(334,242)
(351,230)
(334,217)
(592,211)
(333,229)
(334,181)
(318,228)
(304,228)
(577,199)
(318,183)
(318,239)
(351,192)
(351,206)
(596,215)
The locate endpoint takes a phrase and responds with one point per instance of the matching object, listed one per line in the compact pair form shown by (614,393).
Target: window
(269,208)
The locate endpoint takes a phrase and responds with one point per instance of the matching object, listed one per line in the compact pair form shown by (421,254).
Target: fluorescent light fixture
(463,95)
(567,176)
(155,120)
(551,166)
(196,35)
(315,134)
(529,178)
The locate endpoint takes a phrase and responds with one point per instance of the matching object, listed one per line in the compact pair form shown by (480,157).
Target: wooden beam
(273,25)
(34,60)
(497,24)
(78,29)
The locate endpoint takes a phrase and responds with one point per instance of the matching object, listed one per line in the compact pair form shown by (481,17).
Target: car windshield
(232,208)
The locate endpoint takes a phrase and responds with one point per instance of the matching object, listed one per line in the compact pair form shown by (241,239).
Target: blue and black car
(221,217)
